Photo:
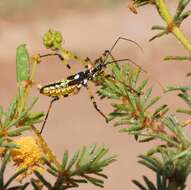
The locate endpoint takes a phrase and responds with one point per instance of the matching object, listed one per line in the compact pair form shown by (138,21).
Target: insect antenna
(108,53)
(116,42)
(126,39)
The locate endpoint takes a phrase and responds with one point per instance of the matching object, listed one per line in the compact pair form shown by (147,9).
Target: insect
(73,83)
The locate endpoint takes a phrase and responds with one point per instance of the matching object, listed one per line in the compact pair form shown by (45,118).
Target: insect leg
(59,56)
(108,53)
(49,108)
(130,89)
(95,104)
(70,55)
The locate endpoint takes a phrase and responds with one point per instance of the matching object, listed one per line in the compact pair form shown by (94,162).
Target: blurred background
(89,27)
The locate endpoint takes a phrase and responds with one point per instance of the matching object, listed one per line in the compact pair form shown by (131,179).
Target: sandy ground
(73,122)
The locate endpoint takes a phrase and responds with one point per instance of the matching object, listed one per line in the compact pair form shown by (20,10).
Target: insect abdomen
(57,89)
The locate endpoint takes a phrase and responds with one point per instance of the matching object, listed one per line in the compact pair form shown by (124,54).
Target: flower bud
(52,40)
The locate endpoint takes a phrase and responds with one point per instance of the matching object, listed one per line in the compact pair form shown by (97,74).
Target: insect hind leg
(47,114)
(133,91)
(95,104)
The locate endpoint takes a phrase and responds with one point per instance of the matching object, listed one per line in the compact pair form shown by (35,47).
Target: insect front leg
(95,104)
(59,56)
(89,64)
(68,55)
(47,114)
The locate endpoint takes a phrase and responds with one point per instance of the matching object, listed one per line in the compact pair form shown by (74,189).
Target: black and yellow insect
(72,84)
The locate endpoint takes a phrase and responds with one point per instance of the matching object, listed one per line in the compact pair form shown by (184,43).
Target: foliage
(135,112)
(70,173)
(170,160)
(32,154)
(172,23)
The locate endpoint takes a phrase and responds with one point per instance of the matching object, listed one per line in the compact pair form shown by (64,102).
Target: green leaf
(102,163)
(43,180)
(34,118)
(157,27)
(23,63)
(150,185)
(151,162)
(25,186)
(22,114)
(175,88)
(151,103)
(147,96)
(99,154)
(116,71)
(2,169)
(14,176)
(94,181)
(138,184)
(50,164)
(19,187)
(11,112)
(160,110)
(131,129)
(147,139)
(140,108)
(105,93)
(142,85)
(10,145)
(136,75)
(92,149)
(185,15)
(186,98)
(35,186)
(160,183)
(82,155)
(2,139)
(181,6)
(80,180)
(1,110)
(52,172)
(160,34)
(178,58)
(64,160)
(18,131)
(73,160)
(167,139)
(184,111)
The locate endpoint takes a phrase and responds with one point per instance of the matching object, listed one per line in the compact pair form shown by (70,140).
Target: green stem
(28,86)
(165,14)
(26,92)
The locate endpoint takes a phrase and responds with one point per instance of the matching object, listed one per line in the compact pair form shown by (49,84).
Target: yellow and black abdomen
(58,89)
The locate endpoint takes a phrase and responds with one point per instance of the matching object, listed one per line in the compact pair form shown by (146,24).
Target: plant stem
(165,14)
(45,148)
(26,91)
